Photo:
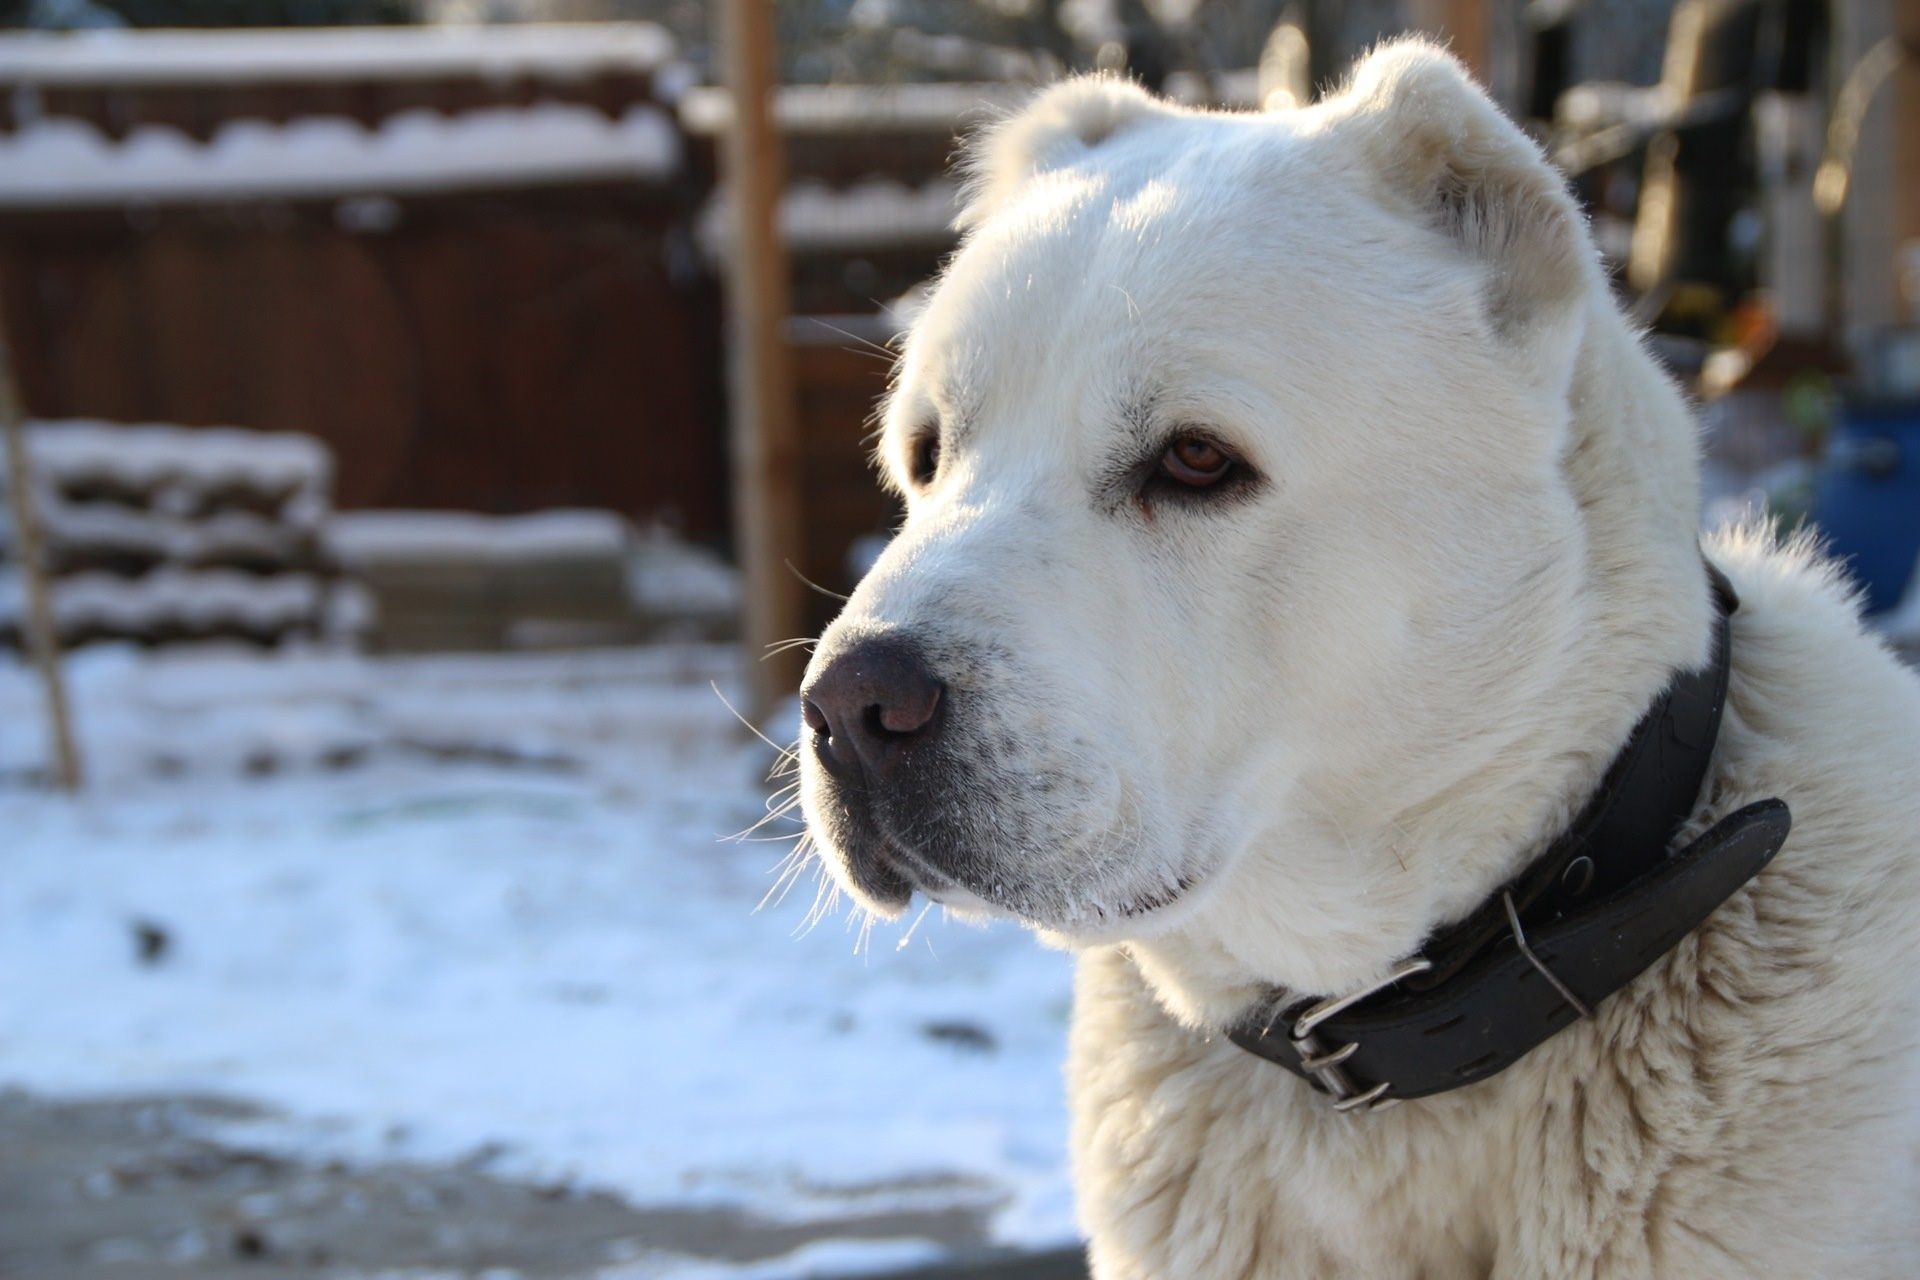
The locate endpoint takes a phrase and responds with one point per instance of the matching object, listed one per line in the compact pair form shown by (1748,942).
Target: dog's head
(1231,447)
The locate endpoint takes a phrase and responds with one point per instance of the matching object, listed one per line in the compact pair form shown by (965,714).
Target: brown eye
(1195,462)
(926,458)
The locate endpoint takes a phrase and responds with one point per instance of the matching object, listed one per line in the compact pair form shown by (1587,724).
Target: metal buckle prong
(1304,1024)
(1367,1099)
(1320,1062)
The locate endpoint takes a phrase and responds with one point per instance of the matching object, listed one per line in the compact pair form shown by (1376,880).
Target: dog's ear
(1059,125)
(1442,150)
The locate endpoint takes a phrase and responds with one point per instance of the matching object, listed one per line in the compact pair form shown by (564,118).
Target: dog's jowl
(1300,614)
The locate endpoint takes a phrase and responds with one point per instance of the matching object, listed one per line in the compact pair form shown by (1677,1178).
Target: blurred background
(426,419)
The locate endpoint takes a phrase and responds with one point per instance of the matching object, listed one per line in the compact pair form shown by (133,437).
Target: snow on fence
(859,111)
(157,534)
(869,206)
(872,215)
(150,59)
(65,163)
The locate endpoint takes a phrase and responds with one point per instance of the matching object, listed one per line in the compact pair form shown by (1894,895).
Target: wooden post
(1906,158)
(1465,27)
(1865,184)
(764,433)
(37,628)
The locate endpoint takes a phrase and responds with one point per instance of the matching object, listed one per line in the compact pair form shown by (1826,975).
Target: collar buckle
(1324,1065)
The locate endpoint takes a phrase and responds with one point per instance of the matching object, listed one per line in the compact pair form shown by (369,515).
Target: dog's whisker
(790,859)
(776,891)
(789,647)
(786,646)
(773,814)
(863,944)
(907,937)
(752,728)
(825,893)
(787,874)
(831,595)
(867,345)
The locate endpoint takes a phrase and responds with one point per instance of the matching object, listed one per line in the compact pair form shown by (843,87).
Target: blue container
(1867,500)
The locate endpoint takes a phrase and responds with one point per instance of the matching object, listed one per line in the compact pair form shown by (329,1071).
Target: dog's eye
(1195,462)
(925,462)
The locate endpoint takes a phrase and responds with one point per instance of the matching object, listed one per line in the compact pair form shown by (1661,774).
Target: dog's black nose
(870,703)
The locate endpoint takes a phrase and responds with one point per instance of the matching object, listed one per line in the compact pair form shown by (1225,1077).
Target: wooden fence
(491,351)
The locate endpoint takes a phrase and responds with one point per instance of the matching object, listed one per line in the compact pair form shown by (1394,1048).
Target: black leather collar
(1588,916)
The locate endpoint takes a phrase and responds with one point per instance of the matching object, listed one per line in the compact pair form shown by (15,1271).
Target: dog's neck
(1632,470)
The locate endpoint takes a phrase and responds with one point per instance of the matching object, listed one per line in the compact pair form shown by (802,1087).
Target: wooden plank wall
(499,352)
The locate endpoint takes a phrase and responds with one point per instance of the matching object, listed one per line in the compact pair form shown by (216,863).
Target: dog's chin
(967,906)
(1088,906)
(878,882)
(886,884)
(1124,916)
(883,876)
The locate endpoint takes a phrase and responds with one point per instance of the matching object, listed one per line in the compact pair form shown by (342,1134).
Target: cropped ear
(1441,148)
(1058,126)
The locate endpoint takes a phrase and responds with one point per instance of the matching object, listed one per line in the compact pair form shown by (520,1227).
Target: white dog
(1296,533)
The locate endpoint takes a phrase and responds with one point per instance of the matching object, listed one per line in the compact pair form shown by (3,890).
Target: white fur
(1345,706)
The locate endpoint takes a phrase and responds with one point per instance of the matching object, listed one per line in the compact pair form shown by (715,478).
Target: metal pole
(764,430)
(42,639)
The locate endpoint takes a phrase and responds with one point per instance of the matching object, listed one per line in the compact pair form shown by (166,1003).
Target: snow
(868,214)
(873,214)
(669,575)
(551,51)
(431,907)
(65,163)
(862,108)
(95,530)
(367,538)
(176,467)
(837,1258)
(193,502)
(193,505)
(171,600)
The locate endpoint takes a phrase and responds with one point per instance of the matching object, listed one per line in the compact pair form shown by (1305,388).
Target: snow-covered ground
(480,907)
